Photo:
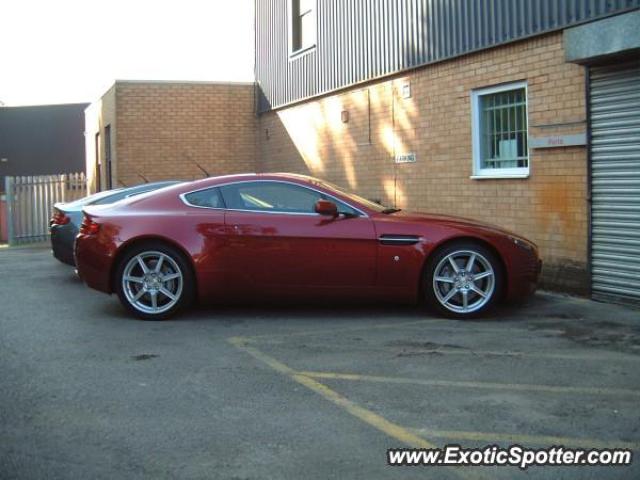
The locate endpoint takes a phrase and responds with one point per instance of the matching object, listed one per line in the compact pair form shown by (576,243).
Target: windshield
(356,198)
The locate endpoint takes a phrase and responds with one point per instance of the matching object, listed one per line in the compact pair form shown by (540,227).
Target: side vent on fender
(392,239)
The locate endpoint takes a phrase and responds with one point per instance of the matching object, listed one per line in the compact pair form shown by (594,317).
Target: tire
(173,285)
(445,289)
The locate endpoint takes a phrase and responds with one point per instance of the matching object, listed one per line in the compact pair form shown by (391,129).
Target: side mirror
(325,207)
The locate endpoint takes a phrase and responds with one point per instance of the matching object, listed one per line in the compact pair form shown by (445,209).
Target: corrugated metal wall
(614,103)
(363,39)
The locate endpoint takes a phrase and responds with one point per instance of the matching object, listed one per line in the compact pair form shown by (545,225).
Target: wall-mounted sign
(406,90)
(406,158)
(554,141)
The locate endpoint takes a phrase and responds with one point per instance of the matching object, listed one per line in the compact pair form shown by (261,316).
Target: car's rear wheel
(154,281)
(463,280)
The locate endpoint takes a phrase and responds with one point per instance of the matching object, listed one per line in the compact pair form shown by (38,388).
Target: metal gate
(30,201)
(614,104)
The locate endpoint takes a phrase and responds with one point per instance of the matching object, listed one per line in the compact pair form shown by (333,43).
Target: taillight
(59,218)
(89,227)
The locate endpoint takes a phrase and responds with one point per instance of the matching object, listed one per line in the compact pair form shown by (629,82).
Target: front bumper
(525,274)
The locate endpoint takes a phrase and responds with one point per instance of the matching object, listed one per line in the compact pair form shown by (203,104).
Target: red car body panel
(242,254)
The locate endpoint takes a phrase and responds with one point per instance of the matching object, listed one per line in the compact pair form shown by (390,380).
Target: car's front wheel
(154,281)
(463,280)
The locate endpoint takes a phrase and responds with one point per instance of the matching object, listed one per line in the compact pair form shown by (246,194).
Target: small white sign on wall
(406,158)
(555,141)
(406,90)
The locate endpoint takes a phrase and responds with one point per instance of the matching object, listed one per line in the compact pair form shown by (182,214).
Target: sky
(68,51)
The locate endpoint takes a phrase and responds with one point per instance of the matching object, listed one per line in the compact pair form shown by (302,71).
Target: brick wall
(549,207)
(165,130)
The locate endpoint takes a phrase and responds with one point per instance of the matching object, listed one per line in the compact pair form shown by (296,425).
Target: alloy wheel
(464,281)
(152,282)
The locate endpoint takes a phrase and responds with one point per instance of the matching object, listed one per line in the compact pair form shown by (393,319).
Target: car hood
(448,221)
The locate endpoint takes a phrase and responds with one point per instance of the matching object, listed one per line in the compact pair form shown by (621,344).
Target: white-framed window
(302,26)
(499,131)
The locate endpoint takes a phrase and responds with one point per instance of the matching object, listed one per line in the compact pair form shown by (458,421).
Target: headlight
(523,244)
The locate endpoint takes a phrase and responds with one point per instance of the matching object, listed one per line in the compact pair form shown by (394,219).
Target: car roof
(213,181)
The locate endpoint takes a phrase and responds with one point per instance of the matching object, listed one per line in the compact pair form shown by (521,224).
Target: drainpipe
(8,190)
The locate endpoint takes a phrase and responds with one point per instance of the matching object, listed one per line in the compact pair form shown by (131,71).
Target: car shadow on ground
(230,313)
(576,319)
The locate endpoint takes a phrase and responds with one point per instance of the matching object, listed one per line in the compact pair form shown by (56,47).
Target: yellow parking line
(484,385)
(367,416)
(241,343)
(526,440)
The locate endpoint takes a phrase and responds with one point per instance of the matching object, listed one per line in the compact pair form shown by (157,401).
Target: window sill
(496,176)
(301,53)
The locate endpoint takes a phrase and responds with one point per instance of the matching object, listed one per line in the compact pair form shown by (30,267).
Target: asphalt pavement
(290,392)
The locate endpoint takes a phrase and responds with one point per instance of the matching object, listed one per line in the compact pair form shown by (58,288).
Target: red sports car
(237,237)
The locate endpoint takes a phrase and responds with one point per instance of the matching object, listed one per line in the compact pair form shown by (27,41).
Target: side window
(270,196)
(209,198)
(344,208)
(276,197)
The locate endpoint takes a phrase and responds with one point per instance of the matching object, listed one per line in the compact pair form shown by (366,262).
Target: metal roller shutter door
(614,98)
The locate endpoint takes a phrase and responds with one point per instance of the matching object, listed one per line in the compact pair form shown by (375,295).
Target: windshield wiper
(387,211)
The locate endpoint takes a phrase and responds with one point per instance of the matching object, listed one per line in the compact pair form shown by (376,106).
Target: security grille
(615,158)
(504,129)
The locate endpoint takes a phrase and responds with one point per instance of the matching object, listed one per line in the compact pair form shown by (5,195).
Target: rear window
(90,199)
(110,199)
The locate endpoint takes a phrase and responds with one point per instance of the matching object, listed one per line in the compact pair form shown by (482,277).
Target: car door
(278,243)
